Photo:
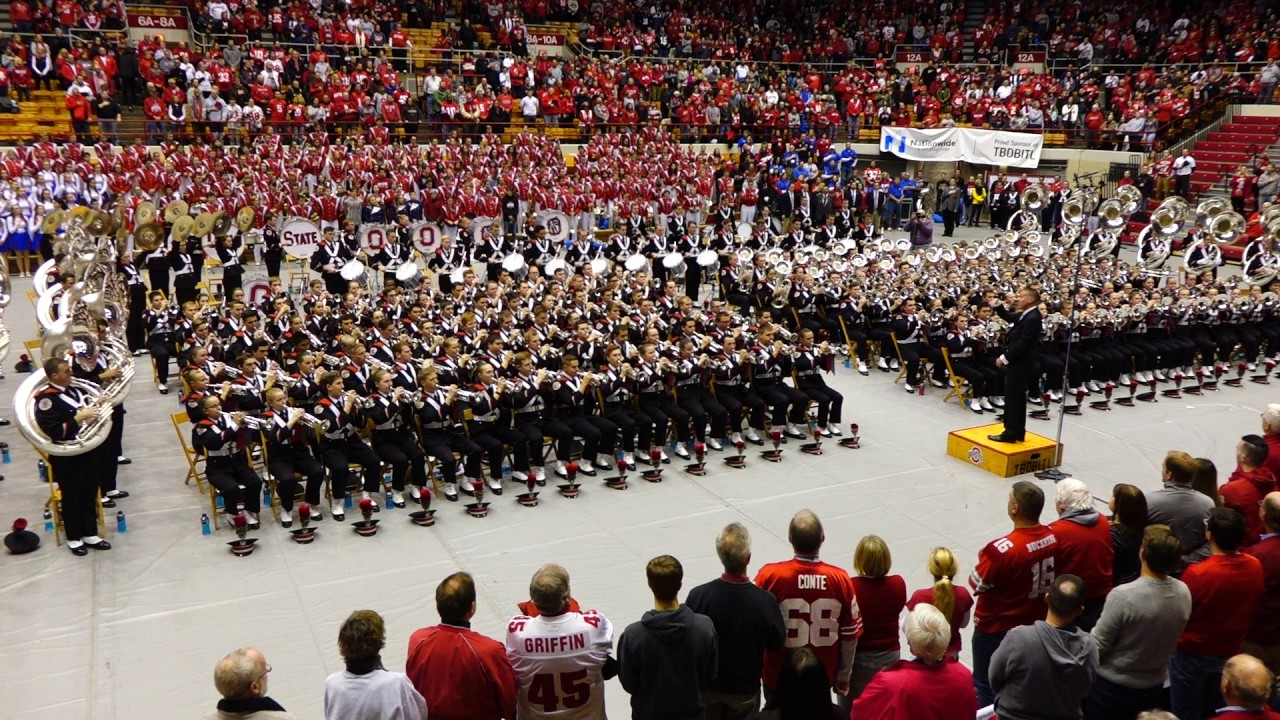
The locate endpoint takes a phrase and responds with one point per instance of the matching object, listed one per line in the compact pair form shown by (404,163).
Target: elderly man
(1246,686)
(1138,631)
(929,687)
(241,679)
(462,674)
(1084,546)
(561,657)
(1271,434)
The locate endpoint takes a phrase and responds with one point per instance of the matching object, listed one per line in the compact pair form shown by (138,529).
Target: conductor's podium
(1004,459)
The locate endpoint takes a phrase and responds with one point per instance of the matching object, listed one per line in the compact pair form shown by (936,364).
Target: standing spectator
(667,659)
(747,622)
(241,679)
(80,109)
(818,604)
(953,601)
(1178,505)
(950,205)
(920,229)
(1225,590)
(462,674)
(1247,684)
(804,690)
(1271,434)
(1044,671)
(1249,483)
(1263,637)
(1183,167)
(931,686)
(1268,78)
(881,598)
(1084,546)
(1138,632)
(366,690)
(561,657)
(128,75)
(1013,573)
(1128,520)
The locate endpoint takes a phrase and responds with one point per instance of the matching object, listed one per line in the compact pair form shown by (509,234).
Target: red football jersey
(818,607)
(1012,575)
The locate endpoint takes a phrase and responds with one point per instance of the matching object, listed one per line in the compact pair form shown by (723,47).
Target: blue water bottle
(390,503)
(220,502)
(4,454)
(121,526)
(346,501)
(48,520)
(204,525)
(266,495)
(848,363)
(44,470)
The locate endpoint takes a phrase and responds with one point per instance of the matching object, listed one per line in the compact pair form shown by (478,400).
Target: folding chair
(902,364)
(960,389)
(182,426)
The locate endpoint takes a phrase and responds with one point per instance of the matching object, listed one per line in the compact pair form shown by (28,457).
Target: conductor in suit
(1018,361)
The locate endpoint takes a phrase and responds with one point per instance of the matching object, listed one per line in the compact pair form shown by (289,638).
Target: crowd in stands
(1170,602)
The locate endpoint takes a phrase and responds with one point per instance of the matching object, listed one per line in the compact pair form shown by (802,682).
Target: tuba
(83,324)
(1033,198)
(1130,198)
(1111,214)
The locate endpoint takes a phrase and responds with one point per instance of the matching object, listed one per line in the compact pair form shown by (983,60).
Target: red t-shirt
(881,601)
(1264,627)
(1086,551)
(1012,575)
(959,616)
(818,607)
(1225,590)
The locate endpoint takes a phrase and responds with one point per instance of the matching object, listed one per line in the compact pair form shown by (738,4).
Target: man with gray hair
(1263,637)
(1271,434)
(1084,546)
(747,622)
(241,679)
(1246,688)
(930,686)
(560,656)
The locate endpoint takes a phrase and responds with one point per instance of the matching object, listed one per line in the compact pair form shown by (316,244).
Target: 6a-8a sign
(157,22)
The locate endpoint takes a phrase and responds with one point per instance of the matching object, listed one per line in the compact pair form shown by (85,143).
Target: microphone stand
(1055,473)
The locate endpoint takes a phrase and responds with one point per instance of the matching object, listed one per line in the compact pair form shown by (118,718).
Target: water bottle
(220,502)
(204,524)
(4,454)
(506,469)
(48,520)
(44,470)
(266,495)
(121,526)
(390,503)
(346,501)
(848,363)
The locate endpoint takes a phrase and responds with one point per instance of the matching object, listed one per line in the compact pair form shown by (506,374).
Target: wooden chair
(960,388)
(182,426)
(33,350)
(902,364)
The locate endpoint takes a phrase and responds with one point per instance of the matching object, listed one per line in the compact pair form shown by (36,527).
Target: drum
(674,263)
(599,266)
(555,266)
(515,265)
(636,263)
(299,238)
(409,276)
(352,270)
(708,258)
(556,223)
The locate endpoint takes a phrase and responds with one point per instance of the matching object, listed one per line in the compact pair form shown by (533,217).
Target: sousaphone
(174,210)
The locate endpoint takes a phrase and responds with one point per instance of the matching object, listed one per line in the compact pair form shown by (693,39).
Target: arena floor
(135,632)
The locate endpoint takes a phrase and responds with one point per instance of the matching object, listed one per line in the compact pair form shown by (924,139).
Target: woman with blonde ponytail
(952,600)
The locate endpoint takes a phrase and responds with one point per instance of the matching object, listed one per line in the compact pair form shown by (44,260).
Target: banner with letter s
(986,147)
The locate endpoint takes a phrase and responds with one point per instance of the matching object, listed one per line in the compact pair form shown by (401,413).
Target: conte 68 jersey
(558,662)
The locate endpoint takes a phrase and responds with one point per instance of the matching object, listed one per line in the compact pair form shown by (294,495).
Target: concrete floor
(135,632)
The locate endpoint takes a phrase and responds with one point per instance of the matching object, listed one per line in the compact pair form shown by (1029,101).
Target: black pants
(134,331)
(442,444)
(1182,186)
(911,354)
(829,401)
(631,423)
(692,280)
(272,259)
(738,400)
(337,455)
(1016,379)
(531,429)
(982,380)
(161,350)
(492,439)
(975,214)
(398,449)
(284,462)
(787,402)
(665,414)
(111,450)
(236,482)
(158,277)
(77,477)
(598,435)
(186,293)
(948,222)
(232,279)
(699,405)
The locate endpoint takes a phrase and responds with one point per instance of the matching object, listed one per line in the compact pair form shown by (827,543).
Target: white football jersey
(558,661)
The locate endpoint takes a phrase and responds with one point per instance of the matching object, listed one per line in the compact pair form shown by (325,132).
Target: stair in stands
(974,13)
(46,112)
(1228,147)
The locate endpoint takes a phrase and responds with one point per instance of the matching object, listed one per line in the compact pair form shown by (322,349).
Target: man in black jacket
(1019,361)
(747,621)
(668,658)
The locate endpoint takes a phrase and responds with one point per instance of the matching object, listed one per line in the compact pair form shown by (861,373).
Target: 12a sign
(912,56)
(1029,56)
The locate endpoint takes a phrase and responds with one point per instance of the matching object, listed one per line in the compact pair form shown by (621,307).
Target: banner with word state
(985,147)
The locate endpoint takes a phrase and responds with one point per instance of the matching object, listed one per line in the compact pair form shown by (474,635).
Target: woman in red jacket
(880,598)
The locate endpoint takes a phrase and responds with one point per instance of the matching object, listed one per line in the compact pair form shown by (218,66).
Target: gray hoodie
(666,662)
(1042,672)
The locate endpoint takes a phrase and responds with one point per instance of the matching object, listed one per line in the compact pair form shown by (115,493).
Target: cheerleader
(18,242)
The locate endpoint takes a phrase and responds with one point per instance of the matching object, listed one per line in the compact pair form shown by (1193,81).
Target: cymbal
(146,214)
(245,218)
(175,210)
(203,224)
(182,227)
(51,222)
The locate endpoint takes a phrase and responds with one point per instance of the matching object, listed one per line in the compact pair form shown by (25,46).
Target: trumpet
(308,419)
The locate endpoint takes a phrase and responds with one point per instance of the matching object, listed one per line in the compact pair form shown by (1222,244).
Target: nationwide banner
(985,147)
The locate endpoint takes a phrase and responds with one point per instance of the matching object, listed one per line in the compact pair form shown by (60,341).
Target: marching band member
(913,344)
(768,360)
(441,439)
(60,409)
(219,436)
(572,401)
(160,321)
(692,396)
(633,425)
(390,411)
(982,379)
(490,427)
(289,453)
(197,381)
(733,381)
(654,375)
(340,447)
